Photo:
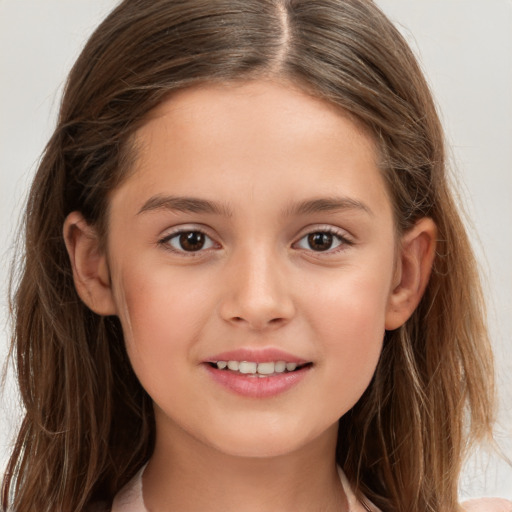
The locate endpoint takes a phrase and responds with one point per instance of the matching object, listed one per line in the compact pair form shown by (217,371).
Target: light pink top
(130,499)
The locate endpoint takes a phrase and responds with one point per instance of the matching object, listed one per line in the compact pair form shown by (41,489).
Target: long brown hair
(89,425)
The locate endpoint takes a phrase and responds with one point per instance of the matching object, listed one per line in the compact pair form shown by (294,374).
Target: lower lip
(257,387)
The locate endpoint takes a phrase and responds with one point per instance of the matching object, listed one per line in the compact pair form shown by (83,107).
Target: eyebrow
(327,204)
(197,205)
(186,205)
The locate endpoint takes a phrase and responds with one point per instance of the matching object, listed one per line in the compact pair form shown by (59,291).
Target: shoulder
(129,498)
(487,505)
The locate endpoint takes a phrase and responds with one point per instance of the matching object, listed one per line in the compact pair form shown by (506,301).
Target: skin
(256,149)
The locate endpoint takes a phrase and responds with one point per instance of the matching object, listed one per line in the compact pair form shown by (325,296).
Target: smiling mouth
(262,370)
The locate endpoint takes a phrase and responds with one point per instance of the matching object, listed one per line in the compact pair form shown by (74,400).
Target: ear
(90,268)
(414,264)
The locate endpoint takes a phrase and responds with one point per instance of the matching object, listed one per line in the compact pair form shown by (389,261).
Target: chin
(266,441)
(257,448)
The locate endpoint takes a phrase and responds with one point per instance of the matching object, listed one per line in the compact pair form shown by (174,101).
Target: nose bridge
(257,293)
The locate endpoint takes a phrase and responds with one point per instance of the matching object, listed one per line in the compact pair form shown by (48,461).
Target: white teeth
(280,367)
(262,369)
(233,365)
(247,367)
(266,368)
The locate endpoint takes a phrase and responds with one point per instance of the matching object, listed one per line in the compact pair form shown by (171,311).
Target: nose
(257,293)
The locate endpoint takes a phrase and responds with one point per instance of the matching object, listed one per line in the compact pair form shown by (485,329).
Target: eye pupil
(192,240)
(320,241)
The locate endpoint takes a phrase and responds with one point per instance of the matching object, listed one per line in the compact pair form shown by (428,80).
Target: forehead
(261,139)
(257,104)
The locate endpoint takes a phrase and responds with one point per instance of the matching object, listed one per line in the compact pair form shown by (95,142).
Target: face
(255,228)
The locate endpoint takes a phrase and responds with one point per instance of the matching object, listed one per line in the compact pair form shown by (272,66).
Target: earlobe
(89,264)
(414,264)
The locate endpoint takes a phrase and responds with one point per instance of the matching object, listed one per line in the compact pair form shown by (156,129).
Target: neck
(188,475)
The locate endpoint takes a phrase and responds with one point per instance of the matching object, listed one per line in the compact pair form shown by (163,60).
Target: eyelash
(344,242)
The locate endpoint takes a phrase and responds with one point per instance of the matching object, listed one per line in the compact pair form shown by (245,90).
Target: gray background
(465,47)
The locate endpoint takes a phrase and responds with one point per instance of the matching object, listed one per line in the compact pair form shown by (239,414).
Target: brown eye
(323,241)
(189,241)
(192,241)
(320,241)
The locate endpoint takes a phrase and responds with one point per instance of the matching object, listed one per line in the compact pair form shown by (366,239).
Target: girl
(246,285)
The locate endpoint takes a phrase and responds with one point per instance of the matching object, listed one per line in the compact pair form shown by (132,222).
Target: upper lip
(262,355)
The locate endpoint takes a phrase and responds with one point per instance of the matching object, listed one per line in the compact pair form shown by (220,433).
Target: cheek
(350,308)
(350,321)
(159,320)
